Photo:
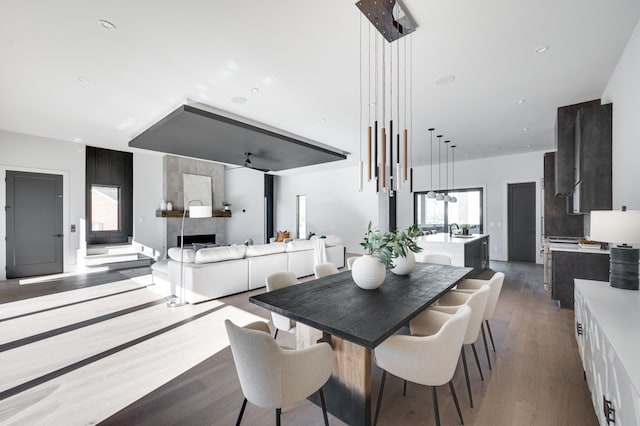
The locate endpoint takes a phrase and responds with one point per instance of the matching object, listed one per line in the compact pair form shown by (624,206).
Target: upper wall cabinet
(593,159)
(565,147)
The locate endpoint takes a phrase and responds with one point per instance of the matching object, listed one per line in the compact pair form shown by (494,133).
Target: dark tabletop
(336,305)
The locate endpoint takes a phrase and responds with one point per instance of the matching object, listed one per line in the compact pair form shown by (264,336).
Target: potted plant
(404,245)
(226,206)
(465,228)
(368,271)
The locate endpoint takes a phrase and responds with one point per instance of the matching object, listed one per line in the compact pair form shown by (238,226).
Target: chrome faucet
(451,227)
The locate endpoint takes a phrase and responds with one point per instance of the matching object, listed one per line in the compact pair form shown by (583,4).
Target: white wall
(334,204)
(41,155)
(493,175)
(623,90)
(148,230)
(244,189)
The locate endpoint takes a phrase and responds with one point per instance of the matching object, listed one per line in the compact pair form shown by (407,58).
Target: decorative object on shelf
(163,205)
(197,187)
(195,212)
(453,173)
(465,228)
(431,194)
(403,249)
(169,206)
(226,206)
(385,92)
(623,226)
(368,271)
(439,195)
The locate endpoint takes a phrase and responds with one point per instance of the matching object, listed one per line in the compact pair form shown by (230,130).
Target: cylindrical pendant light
(439,195)
(431,194)
(447,198)
(453,172)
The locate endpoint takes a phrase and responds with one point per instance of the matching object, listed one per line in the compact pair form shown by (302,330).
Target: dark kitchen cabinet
(476,255)
(593,159)
(565,146)
(557,223)
(567,266)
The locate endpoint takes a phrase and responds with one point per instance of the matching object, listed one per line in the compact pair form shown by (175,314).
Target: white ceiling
(303,56)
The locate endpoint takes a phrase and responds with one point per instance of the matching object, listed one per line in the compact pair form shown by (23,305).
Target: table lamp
(619,227)
(195,212)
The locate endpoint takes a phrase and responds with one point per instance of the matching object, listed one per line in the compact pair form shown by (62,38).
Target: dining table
(355,321)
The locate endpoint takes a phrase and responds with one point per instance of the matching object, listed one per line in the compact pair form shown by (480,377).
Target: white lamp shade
(199,211)
(615,226)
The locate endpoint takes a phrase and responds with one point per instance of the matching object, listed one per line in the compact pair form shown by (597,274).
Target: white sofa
(211,273)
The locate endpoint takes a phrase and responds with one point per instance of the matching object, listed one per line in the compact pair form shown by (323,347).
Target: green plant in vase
(380,245)
(465,228)
(226,205)
(405,241)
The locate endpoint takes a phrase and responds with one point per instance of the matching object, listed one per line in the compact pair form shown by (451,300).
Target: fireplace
(200,239)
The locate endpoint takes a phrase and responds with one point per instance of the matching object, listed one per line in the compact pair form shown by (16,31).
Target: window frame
(298,197)
(416,194)
(120,212)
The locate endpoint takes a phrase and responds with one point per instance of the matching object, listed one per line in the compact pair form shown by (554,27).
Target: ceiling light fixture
(542,49)
(322,120)
(453,173)
(431,194)
(106,25)
(439,196)
(524,129)
(385,85)
(254,90)
(82,80)
(239,100)
(519,101)
(528,145)
(447,197)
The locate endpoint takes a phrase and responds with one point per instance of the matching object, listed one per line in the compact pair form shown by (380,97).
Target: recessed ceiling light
(82,80)
(528,145)
(519,101)
(542,49)
(254,90)
(524,129)
(322,120)
(106,25)
(444,80)
(239,100)
(78,140)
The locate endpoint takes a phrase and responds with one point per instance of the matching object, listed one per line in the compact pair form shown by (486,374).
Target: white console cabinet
(607,328)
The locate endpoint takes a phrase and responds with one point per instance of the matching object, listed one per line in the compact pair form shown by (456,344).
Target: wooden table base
(348,391)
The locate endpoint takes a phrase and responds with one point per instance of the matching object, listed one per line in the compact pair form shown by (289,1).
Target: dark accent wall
(269,223)
(113,168)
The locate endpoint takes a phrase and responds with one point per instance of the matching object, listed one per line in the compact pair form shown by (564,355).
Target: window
(105,208)
(301,216)
(431,215)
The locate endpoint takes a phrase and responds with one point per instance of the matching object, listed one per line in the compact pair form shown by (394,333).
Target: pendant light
(453,172)
(447,198)
(439,196)
(431,194)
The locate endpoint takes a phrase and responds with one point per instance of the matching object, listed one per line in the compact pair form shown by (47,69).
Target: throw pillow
(282,235)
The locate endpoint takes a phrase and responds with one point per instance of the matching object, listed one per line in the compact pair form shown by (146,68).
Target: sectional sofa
(210,273)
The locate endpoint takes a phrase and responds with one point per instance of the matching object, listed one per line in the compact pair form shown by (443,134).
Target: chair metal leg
(324,408)
(436,410)
(486,347)
(244,405)
(384,376)
(404,389)
(275,335)
(466,375)
(278,412)
(455,400)
(475,354)
(490,335)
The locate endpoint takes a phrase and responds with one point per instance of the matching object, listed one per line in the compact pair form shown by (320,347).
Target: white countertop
(446,238)
(575,248)
(618,314)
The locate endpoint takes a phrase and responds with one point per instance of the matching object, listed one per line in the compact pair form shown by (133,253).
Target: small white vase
(367,272)
(404,265)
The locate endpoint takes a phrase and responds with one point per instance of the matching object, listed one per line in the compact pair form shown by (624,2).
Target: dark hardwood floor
(536,377)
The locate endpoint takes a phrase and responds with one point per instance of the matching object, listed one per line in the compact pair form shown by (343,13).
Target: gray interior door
(34,224)
(522,222)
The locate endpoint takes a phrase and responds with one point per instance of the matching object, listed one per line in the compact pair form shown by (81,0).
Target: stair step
(127,264)
(102,259)
(100,249)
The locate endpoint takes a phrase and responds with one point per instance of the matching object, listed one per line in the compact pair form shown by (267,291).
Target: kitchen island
(464,250)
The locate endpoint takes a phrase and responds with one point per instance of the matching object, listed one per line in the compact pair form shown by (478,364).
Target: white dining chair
(324,269)
(450,303)
(426,360)
(350,261)
(440,259)
(271,377)
(495,284)
(276,281)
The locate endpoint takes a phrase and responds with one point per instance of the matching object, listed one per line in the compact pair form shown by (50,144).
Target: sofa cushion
(264,249)
(299,245)
(189,254)
(218,254)
(200,246)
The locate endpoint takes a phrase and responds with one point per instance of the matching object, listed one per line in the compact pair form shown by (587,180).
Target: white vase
(367,272)
(404,265)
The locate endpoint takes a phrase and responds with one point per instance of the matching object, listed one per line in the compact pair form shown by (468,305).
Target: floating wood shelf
(179,213)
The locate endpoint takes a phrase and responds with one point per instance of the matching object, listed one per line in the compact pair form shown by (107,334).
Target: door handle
(58,235)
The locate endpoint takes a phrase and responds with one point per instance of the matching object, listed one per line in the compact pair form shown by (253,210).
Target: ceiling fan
(248,163)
